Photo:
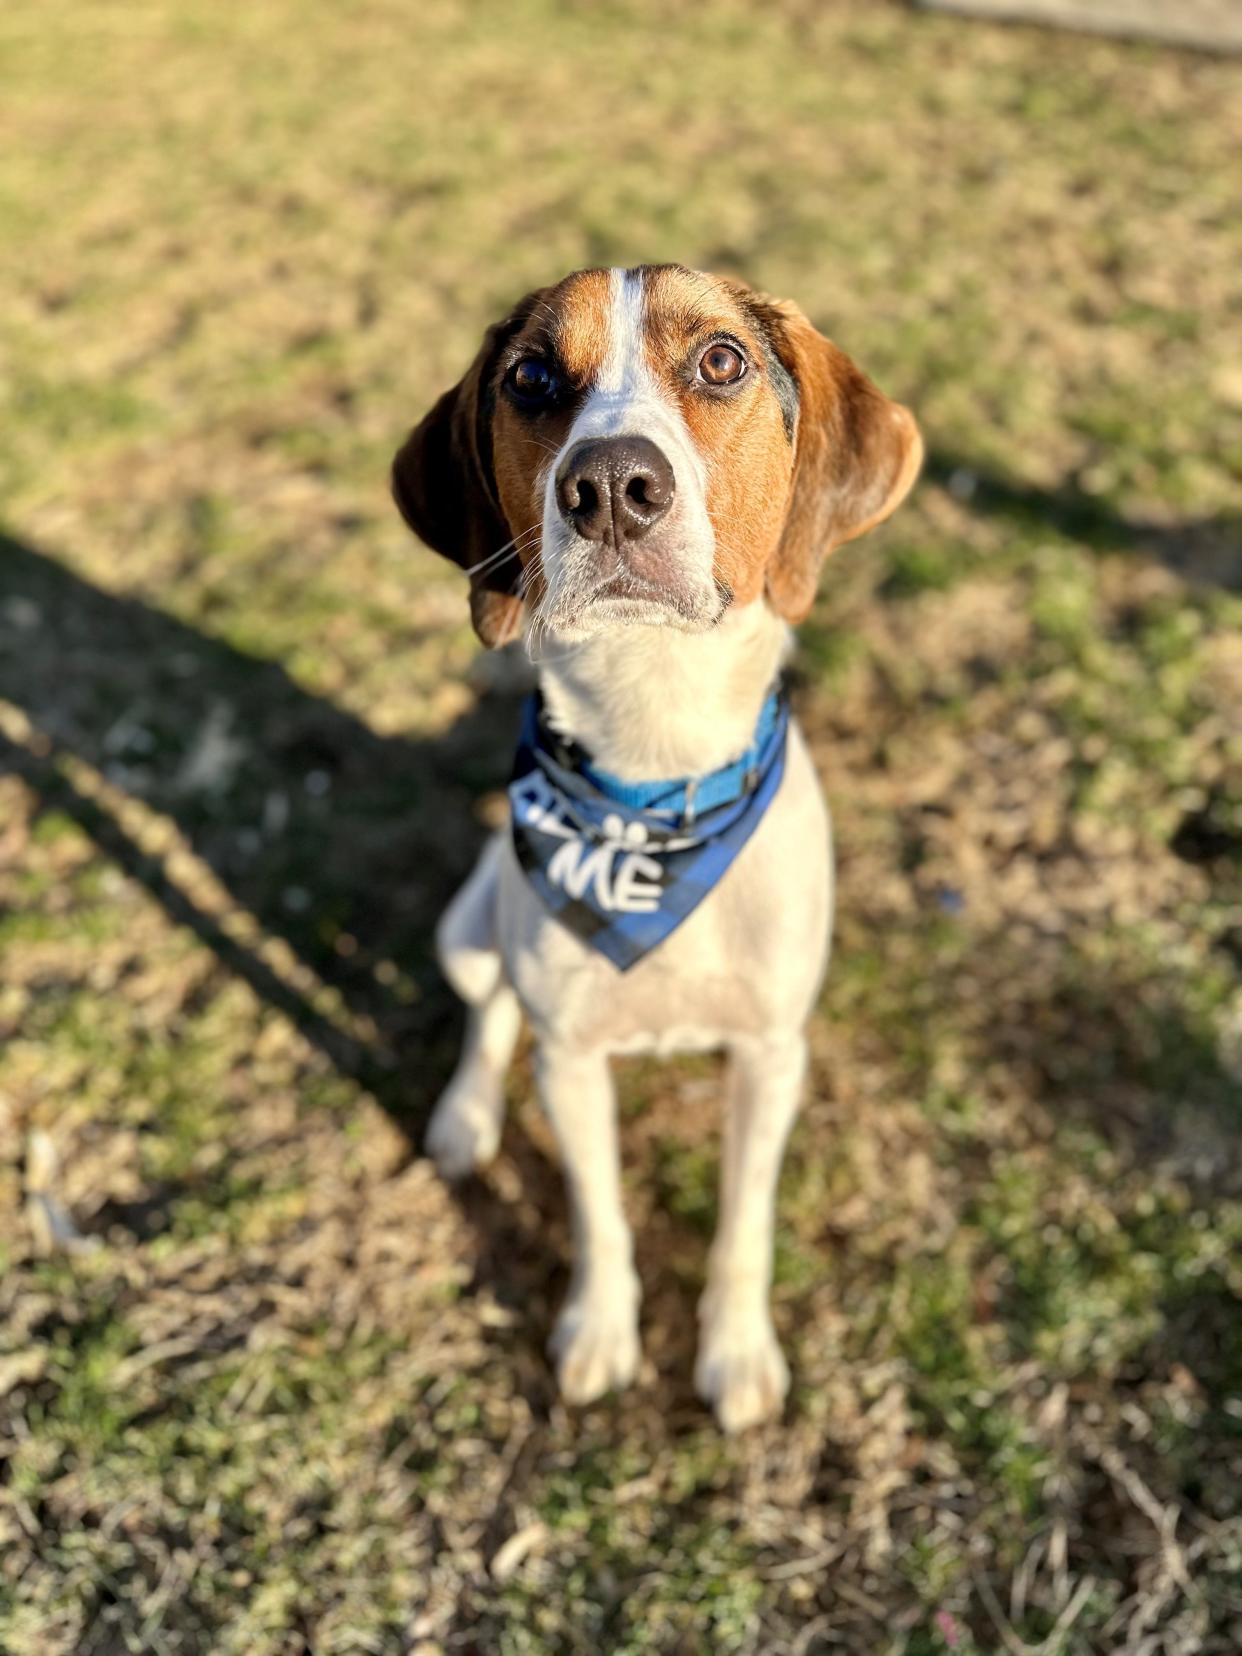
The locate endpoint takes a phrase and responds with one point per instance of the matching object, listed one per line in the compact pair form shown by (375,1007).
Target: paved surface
(1213,25)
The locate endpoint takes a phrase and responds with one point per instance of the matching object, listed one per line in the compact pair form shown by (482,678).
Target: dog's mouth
(625,588)
(625,598)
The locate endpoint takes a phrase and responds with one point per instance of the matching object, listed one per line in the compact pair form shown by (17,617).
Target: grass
(284,1393)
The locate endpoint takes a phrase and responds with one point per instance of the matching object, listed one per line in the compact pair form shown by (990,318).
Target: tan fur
(580,305)
(858,453)
(741,440)
(568,325)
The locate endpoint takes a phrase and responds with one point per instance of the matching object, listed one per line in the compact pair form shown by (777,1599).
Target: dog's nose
(615,488)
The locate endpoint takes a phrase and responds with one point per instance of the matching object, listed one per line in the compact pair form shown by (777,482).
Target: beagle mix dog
(643,470)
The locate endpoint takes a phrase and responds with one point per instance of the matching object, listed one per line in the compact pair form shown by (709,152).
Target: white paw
(740,1369)
(464,1132)
(595,1343)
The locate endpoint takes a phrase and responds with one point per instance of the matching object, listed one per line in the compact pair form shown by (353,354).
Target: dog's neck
(651,703)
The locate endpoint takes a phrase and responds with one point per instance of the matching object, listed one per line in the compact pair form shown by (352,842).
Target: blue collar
(685,797)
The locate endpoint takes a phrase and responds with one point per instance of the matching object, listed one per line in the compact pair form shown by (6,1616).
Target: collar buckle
(687,809)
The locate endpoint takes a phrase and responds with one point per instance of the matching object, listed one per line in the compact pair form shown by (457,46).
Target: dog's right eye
(532,382)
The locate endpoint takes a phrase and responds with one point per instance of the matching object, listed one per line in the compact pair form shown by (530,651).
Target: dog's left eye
(721,365)
(532,381)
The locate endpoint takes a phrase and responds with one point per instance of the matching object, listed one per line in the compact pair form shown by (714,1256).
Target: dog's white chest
(748,959)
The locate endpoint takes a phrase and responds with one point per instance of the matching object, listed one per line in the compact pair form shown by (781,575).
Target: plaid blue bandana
(623,863)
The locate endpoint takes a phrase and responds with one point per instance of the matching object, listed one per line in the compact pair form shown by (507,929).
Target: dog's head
(651,445)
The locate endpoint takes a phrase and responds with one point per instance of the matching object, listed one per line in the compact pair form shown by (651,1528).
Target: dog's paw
(464,1133)
(595,1344)
(740,1369)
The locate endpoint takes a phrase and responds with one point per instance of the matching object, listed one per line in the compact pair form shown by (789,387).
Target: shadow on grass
(343,844)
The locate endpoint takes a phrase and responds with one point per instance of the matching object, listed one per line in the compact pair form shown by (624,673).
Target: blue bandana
(623,863)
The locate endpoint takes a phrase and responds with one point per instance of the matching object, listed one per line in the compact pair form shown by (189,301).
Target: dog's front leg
(595,1342)
(740,1369)
(464,1133)
(465,1127)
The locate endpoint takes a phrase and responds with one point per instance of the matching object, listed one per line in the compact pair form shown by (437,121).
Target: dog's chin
(601,615)
(625,602)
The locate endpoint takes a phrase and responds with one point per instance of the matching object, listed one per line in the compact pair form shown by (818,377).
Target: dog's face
(651,445)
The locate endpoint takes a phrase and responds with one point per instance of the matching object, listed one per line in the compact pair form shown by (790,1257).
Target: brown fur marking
(741,437)
(858,453)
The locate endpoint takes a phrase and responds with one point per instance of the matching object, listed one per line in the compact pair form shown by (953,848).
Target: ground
(267,1387)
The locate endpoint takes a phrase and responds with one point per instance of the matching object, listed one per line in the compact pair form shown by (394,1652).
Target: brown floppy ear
(856,455)
(444,488)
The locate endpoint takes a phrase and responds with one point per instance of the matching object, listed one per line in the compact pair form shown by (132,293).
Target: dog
(642,470)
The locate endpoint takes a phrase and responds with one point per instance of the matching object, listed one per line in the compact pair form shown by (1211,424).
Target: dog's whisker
(536,563)
(509,550)
(499,556)
(485,564)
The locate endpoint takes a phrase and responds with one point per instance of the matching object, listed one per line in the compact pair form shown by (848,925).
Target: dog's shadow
(342,844)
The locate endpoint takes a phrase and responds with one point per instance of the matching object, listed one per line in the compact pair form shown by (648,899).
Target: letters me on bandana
(623,863)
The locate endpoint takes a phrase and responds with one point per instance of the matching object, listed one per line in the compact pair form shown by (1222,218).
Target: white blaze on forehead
(624,363)
(626,399)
